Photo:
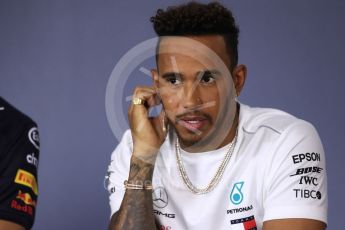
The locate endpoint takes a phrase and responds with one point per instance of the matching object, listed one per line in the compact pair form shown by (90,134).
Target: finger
(148,96)
(153,100)
(160,123)
(140,89)
(138,114)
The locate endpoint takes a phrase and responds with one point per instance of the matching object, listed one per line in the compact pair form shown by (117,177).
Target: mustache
(196,111)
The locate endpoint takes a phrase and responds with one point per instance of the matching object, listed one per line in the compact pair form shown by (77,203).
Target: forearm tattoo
(136,211)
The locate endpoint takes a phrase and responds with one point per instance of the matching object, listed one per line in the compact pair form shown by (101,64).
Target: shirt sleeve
(118,171)
(18,176)
(297,185)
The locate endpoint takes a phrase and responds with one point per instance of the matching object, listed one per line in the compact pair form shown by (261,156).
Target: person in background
(19,156)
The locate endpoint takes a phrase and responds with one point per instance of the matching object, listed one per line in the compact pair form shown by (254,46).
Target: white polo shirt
(277,171)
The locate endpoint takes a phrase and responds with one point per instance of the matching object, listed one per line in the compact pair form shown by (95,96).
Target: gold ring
(138,101)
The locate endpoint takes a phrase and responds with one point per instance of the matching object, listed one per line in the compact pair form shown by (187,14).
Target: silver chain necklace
(215,180)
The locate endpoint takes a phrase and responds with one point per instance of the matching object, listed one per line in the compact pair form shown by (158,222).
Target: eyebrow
(179,75)
(171,74)
(209,71)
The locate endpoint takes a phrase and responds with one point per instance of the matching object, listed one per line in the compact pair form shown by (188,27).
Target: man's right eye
(173,80)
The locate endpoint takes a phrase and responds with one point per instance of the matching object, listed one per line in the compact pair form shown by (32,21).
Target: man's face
(196,90)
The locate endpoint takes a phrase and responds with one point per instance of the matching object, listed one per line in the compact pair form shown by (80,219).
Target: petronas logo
(236,195)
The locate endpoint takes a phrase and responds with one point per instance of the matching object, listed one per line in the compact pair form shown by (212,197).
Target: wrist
(147,155)
(145,149)
(138,185)
(141,169)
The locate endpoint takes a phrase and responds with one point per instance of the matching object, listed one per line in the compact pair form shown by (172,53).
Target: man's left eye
(207,78)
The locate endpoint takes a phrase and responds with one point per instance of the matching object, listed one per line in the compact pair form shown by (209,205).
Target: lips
(193,123)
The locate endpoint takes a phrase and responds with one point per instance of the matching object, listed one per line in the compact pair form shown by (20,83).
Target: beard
(214,136)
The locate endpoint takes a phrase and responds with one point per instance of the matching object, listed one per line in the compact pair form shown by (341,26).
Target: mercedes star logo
(160,197)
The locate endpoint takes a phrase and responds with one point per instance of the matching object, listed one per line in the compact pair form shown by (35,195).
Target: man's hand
(147,133)
(136,211)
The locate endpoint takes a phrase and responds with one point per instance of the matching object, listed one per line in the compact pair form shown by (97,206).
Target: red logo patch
(23,208)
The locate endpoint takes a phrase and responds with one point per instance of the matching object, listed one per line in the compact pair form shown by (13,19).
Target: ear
(154,75)
(239,75)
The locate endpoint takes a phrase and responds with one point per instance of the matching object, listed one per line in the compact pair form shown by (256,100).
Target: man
(19,150)
(208,161)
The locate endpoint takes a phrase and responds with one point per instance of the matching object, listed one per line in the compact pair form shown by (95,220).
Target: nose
(191,96)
